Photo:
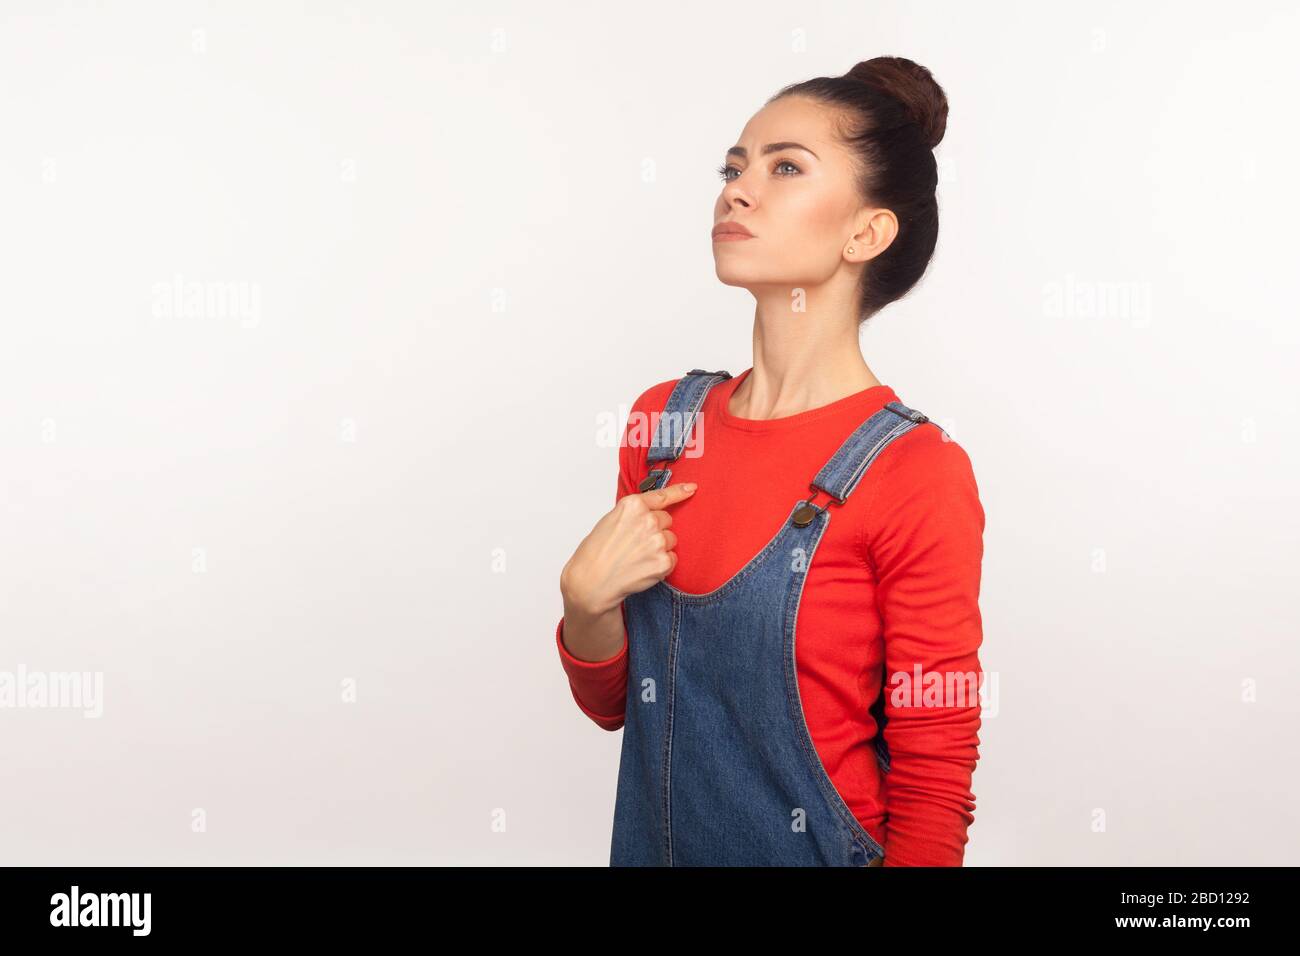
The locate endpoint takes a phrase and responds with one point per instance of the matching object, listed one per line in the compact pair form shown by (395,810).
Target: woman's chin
(729,275)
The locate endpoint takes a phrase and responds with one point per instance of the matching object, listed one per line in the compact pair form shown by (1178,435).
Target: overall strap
(676,422)
(841,474)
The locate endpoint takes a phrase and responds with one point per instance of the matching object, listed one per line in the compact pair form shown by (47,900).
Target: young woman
(741,744)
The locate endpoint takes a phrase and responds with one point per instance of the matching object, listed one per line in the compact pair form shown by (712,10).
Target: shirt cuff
(577,664)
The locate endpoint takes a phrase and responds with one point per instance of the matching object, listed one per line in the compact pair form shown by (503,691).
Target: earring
(850,250)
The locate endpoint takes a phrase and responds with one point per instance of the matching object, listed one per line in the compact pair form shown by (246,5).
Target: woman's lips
(729,231)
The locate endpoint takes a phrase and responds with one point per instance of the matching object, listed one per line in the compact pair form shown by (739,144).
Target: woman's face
(800,202)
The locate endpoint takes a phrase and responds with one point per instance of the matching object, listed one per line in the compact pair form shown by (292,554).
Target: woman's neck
(801,361)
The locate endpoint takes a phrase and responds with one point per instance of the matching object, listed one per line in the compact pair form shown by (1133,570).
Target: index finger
(659,498)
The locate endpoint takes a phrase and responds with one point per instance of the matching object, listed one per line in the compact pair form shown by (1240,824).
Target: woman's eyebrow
(770,148)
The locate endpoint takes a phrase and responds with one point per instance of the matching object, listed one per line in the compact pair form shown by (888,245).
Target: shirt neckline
(876,395)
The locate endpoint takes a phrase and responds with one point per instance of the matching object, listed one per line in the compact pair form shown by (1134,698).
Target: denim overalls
(717,765)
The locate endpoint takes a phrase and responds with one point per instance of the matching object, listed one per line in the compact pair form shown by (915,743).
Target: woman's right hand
(628,550)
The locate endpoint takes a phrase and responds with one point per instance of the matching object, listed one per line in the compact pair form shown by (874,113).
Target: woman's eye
(723,170)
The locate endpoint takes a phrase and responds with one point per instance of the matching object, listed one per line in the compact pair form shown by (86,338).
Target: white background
(474,236)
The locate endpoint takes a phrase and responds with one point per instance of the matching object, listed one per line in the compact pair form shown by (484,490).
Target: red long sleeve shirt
(894,586)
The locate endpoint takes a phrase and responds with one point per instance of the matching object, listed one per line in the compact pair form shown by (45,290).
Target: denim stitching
(867,432)
(691,392)
(795,707)
(696,404)
(676,399)
(673,633)
(885,441)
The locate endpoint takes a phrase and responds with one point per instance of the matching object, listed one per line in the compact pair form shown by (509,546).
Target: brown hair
(894,115)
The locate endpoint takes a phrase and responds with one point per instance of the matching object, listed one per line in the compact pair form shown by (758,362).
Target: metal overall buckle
(805,513)
(650,480)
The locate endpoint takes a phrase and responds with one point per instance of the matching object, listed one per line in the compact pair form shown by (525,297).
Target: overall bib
(717,765)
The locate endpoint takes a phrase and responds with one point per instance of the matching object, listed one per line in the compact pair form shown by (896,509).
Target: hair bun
(914,87)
